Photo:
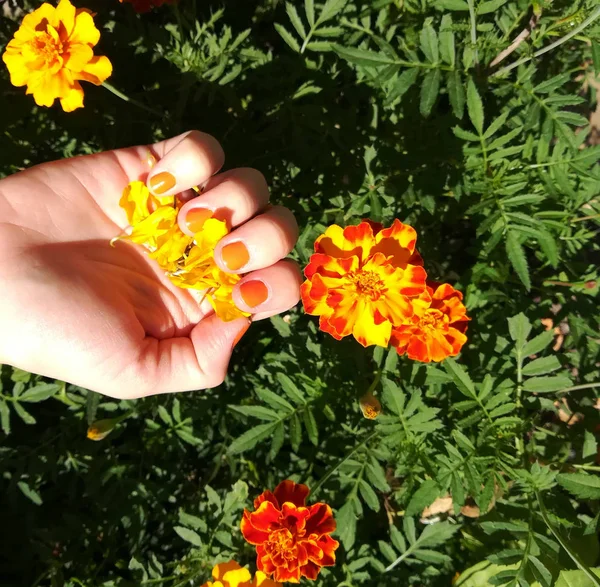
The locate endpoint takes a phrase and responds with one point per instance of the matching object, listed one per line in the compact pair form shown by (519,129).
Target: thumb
(197,361)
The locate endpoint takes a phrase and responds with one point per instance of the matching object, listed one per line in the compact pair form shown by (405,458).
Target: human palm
(104,316)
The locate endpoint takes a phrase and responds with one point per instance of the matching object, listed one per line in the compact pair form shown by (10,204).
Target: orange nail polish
(162,182)
(235,255)
(240,334)
(195,219)
(254,292)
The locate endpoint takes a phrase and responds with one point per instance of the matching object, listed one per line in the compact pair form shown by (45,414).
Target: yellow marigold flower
(369,406)
(138,202)
(52,51)
(232,575)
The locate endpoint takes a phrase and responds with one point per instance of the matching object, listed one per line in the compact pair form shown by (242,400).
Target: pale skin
(105,317)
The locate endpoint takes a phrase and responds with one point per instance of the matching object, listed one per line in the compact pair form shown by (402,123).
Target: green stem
(473,19)
(332,470)
(583,386)
(576,559)
(587,467)
(589,20)
(132,100)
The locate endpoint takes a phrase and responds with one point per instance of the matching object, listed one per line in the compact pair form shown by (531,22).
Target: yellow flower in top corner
(53,51)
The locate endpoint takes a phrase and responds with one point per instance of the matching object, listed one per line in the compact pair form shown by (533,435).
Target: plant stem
(589,20)
(126,98)
(473,18)
(576,559)
(587,467)
(333,469)
(583,386)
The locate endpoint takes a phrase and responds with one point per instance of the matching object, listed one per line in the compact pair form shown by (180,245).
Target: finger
(259,243)
(189,162)
(269,291)
(234,196)
(198,361)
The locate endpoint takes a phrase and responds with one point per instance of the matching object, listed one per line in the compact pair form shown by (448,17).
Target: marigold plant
(187,261)
(231,574)
(53,51)
(292,540)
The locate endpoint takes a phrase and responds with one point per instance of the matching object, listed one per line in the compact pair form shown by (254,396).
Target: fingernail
(195,219)
(240,334)
(254,292)
(162,182)
(235,255)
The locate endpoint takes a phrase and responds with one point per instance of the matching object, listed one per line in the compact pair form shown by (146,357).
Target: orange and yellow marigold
(187,261)
(292,540)
(368,281)
(53,51)
(231,574)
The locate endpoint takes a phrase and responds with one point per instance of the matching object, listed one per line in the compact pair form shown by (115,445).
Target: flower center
(47,45)
(368,284)
(281,543)
(432,320)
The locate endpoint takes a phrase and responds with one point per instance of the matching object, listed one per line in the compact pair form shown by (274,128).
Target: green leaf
(519,328)
(30,493)
(277,440)
(552,84)
(581,485)
(192,521)
(517,258)
(460,377)
(538,344)
(259,412)
(274,401)
(330,9)
(23,413)
(189,535)
(295,19)
(287,37)
(541,366)
(429,44)
(429,91)
(251,438)
(188,437)
(575,579)
(465,135)
(346,525)
(311,426)
(596,56)
(40,392)
(447,49)
(295,433)
(475,106)
(424,496)
(309,10)
(4,417)
(456,94)
(590,446)
(547,384)
(387,551)
(362,56)
(397,539)
(404,82)
(290,389)
(541,573)
(496,125)
(368,495)
(490,6)
(452,5)
(91,406)
(165,416)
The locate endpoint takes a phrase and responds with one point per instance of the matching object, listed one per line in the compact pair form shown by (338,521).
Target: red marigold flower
(292,539)
(142,6)
(437,328)
(361,280)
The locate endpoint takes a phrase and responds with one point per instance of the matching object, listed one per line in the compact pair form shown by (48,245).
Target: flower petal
(289,491)
(74,99)
(320,520)
(84,30)
(63,18)
(96,71)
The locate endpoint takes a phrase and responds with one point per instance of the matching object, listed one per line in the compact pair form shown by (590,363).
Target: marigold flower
(187,261)
(142,6)
(292,540)
(232,575)
(53,51)
(370,406)
(361,280)
(437,328)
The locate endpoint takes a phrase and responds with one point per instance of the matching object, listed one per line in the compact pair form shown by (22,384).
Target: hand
(104,317)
